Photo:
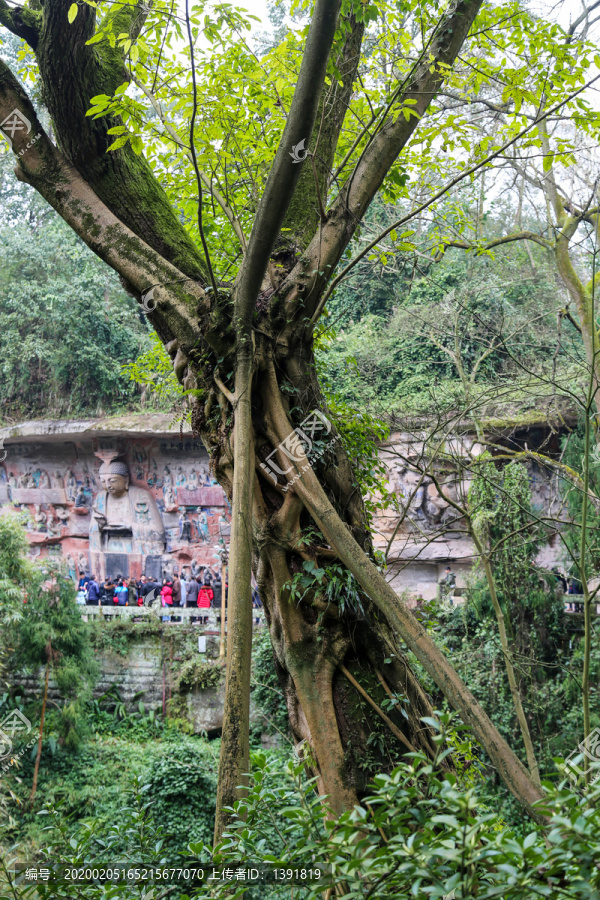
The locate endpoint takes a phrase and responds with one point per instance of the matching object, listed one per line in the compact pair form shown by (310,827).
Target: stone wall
(147,668)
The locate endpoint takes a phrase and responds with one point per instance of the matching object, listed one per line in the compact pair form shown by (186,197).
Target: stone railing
(178,615)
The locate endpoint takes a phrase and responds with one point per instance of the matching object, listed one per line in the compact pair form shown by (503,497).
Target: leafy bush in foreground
(419,834)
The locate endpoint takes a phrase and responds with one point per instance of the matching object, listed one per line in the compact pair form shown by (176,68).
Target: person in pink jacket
(167,597)
(205,596)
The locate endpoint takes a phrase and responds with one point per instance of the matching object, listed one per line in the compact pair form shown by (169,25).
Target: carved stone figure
(71,486)
(167,482)
(224,526)
(44,481)
(40,518)
(23,480)
(170,501)
(12,480)
(416,504)
(62,515)
(434,506)
(185,528)
(400,487)
(142,512)
(53,525)
(181,480)
(30,483)
(202,525)
(59,481)
(81,500)
(192,482)
(124,516)
(71,567)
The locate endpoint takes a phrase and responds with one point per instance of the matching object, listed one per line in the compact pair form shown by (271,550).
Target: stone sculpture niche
(126,525)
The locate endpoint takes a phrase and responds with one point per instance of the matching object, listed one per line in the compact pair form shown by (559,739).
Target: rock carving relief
(117,506)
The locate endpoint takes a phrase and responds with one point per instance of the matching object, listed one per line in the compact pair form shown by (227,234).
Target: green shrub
(200,673)
(420,833)
(181,784)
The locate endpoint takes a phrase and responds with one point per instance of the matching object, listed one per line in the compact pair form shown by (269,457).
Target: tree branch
(122,180)
(128,18)
(22,22)
(381,152)
(45,168)
(285,173)
(211,274)
(312,286)
(497,242)
(582,17)
(301,217)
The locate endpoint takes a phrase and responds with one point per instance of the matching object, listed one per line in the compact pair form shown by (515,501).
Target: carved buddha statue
(125,518)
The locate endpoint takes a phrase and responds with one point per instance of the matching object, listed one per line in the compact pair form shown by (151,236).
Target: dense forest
(385,215)
(73,342)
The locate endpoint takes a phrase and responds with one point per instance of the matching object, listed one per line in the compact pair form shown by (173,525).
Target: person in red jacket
(167,597)
(205,595)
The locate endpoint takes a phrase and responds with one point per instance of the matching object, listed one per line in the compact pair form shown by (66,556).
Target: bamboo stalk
(43,716)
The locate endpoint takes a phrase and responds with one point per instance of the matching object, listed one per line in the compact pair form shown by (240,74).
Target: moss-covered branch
(22,22)
(123,181)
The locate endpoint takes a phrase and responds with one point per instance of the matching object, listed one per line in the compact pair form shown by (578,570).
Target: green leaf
(72,14)
(137,145)
(120,142)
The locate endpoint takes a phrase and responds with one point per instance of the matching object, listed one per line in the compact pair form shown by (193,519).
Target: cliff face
(171,515)
(51,471)
(423,532)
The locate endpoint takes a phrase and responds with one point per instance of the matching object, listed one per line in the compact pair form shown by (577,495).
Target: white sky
(257,8)
(562,11)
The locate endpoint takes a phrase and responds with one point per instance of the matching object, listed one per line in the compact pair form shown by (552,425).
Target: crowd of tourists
(201,591)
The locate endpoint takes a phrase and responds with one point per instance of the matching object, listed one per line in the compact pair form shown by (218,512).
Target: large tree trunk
(311,640)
